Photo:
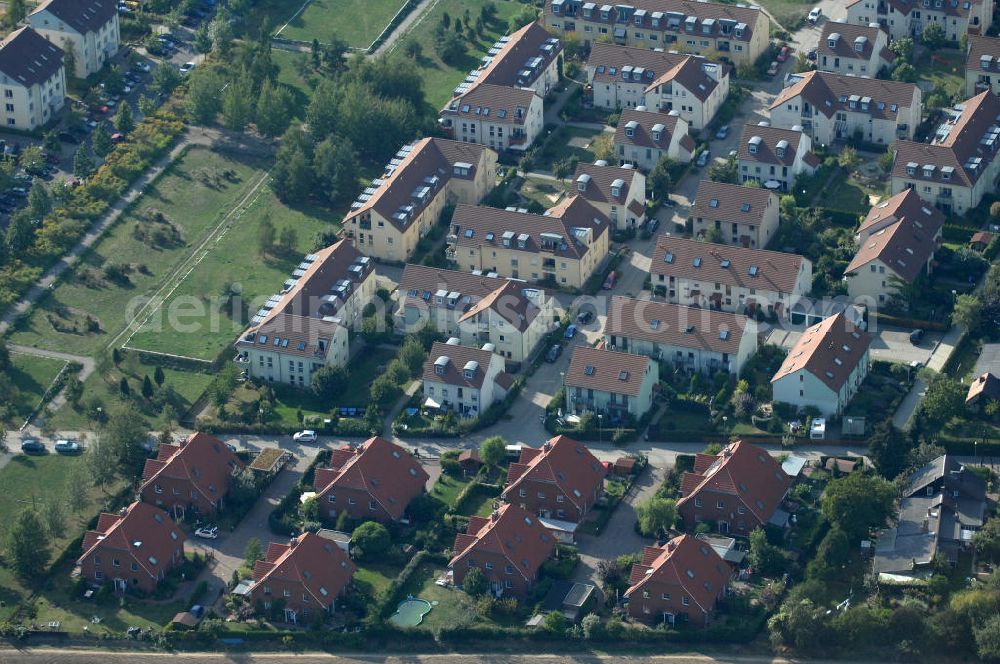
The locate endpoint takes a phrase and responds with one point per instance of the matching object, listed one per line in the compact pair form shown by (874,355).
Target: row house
(739,489)
(133,549)
(500,103)
(373,482)
(680,581)
(702,340)
(624,77)
(617,192)
(508,547)
(908,18)
(477,309)
(33,80)
(191,476)
(825,368)
(833,107)
(464,380)
(566,245)
(736,215)
(403,204)
(644,138)
(982,65)
(774,157)
(560,480)
(610,384)
(729,278)
(737,33)
(853,50)
(305,327)
(306,576)
(959,166)
(897,241)
(87,28)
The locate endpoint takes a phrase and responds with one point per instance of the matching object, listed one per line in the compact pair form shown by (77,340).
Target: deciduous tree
(655,514)
(858,502)
(492,450)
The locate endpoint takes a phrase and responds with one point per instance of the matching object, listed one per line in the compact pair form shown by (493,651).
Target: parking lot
(890,344)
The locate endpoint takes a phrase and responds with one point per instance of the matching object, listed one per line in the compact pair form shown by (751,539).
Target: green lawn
(295,72)
(195,321)
(844,194)
(358,22)
(789,13)
(447,488)
(373,578)
(439,77)
(193,196)
(569,142)
(479,505)
(453,609)
(945,69)
(32,376)
(187,386)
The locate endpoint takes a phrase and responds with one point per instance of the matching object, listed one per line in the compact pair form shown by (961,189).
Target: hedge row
(958,234)
(897,321)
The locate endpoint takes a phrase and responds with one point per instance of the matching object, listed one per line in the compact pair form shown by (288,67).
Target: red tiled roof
(607,370)
(459,358)
(385,470)
(143,531)
(319,565)
(986,385)
(768,146)
(660,67)
(746,471)
(676,325)
(830,93)
(563,461)
(202,460)
(719,12)
(642,134)
(598,181)
(685,562)
(510,532)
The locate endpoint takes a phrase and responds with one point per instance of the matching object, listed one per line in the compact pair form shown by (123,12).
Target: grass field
(945,69)
(373,578)
(32,376)
(358,22)
(204,329)
(789,13)
(453,609)
(186,385)
(440,78)
(193,201)
(447,488)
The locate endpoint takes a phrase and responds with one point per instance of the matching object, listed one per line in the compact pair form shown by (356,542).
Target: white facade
(908,19)
(277,364)
(91,49)
(802,389)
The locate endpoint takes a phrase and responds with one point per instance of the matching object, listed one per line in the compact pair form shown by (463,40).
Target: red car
(783,53)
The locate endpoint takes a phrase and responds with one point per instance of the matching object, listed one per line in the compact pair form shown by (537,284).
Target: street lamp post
(725,428)
(600,430)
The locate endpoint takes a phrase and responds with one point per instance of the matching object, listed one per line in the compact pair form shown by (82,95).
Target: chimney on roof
(293,542)
(546,446)
(494,515)
(671,545)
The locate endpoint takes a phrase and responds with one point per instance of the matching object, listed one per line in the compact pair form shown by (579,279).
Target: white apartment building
(610,384)
(88,28)
(644,138)
(619,193)
(982,65)
(742,216)
(853,50)
(774,157)
(464,380)
(908,18)
(33,80)
(833,107)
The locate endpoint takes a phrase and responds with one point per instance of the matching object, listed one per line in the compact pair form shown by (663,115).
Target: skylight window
(725,263)
(714,203)
(623,375)
(668,257)
(589,370)
(697,261)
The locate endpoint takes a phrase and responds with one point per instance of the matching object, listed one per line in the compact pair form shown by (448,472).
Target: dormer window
(754,144)
(911,169)
(468,374)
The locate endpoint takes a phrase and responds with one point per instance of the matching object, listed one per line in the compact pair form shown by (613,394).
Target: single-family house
(508,547)
(306,576)
(738,490)
(644,138)
(854,50)
(191,476)
(982,65)
(134,549)
(825,368)
(982,390)
(680,581)
(617,192)
(773,157)
(732,214)
(374,481)
(560,480)
(463,379)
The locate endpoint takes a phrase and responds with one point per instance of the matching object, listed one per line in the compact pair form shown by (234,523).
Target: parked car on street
(916,336)
(772,69)
(783,53)
(722,133)
(307,436)
(207,532)
(32,446)
(815,14)
(703,158)
(585,317)
(553,353)
(570,332)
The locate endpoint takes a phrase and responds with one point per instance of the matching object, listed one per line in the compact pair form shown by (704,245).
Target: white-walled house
(619,193)
(826,367)
(610,384)
(691,339)
(854,50)
(908,18)
(476,308)
(464,380)
(773,157)
(33,80)
(896,244)
(644,138)
(626,77)
(88,28)
(833,107)
(982,65)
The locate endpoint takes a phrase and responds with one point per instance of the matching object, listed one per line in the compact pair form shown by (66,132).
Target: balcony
(806,112)
(449,253)
(242,360)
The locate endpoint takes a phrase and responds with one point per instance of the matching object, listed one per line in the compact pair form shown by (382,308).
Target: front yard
(32,376)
